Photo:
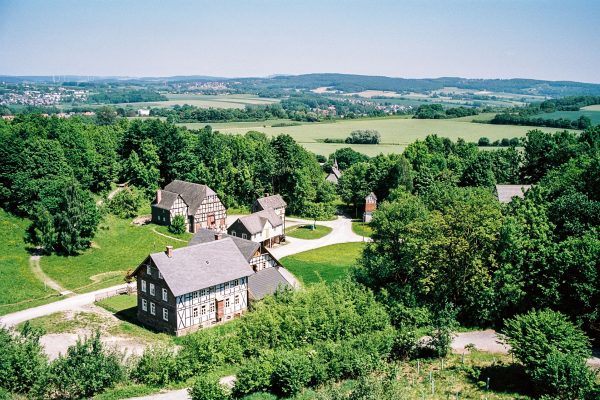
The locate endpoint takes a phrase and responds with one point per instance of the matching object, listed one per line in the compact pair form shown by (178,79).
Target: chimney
(158,196)
(266,194)
(169,251)
(218,235)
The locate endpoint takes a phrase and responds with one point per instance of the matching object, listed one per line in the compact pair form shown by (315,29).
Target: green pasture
(118,247)
(396,133)
(594,115)
(327,263)
(19,287)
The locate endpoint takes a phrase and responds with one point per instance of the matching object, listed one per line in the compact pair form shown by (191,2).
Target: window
(226,285)
(152,308)
(194,295)
(159,275)
(165,314)
(237,299)
(211,308)
(243,236)
(227,302)
(148,269)
(233,233)
(143,285)
(152,289)
(203,292)
(203,312)
(234,283)
(195,312)
(165,294)
(144,305)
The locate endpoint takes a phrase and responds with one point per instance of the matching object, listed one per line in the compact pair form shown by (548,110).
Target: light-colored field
(396,133)
(374,93)
(207,101)
(595,107)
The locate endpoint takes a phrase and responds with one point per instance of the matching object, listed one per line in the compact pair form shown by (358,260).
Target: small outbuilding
(370,206)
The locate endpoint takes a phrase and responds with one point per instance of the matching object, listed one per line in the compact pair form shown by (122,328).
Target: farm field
(118,247)
(327,263)
(396,133)
(594,115)
(207,101)
(595,107)
(19,287)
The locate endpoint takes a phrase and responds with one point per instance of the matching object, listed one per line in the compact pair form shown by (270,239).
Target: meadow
(396,133)
(19,287)
(307,232)
(207,101)
(327,263)
(593,114)
(119,246)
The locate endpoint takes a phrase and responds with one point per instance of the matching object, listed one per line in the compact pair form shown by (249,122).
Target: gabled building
(507,192)
(274,202)
(370,206)
(264,227)
(198,204)
(335,173)
(182,290)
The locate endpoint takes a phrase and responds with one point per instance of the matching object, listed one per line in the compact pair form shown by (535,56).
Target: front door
(210,221)
(219,310)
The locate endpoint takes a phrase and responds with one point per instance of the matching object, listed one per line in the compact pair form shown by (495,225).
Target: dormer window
(148,269)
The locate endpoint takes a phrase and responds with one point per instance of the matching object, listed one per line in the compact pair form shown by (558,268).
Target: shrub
(368,136)
(177,225)
(564,377)
(126,203)
(254,376)
(483,141)
(84,371)
(157,366)
(206,350)
(207,389)
(444,324)
(22,360)
(536,334)
(292,373)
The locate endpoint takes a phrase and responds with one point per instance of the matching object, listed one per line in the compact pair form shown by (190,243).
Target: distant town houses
(50,97)
(198,204)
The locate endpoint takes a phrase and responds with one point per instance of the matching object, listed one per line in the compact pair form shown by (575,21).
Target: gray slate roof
(192,193)
(247,247)
(267,281)
(274,201)
(200,266)
(255,222)
(507,192)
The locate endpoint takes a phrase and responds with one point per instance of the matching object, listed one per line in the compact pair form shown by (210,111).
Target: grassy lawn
(187,236)
(19,288)
(62,322)
(326,263)
(307,231)
(361,228)
(118,247)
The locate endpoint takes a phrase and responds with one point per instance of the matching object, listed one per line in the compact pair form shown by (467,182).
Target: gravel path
(34,265)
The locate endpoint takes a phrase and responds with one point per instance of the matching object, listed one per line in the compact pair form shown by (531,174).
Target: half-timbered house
(198,204)
(265,227)
(274,202)
(182,290)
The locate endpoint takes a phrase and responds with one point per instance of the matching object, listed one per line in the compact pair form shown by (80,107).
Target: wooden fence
(129,289)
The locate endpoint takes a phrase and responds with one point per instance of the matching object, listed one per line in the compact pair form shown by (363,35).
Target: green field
(207,101)
(362,229)
(327,263)
(117,247)
(19,288)
(396,133)
(573,115)
(307,231)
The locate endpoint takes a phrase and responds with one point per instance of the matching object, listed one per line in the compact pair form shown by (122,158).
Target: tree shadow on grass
(130,315)
(503,378)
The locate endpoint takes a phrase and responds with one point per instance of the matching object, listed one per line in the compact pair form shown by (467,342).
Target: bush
(22,360)
(207,389)
(158,366)
(292,373)
(483,142)
(84,371)
(444,324)
(536,334)
(126,203)
(368,136)
(206,350)
(564,377)
(254,376)
(177,225)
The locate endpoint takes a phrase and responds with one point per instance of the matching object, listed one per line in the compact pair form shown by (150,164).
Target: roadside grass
(307,231)
(66,322)
(186,236)
(19,287)
(327,263)
(362,228)
(118,247)
(238,211)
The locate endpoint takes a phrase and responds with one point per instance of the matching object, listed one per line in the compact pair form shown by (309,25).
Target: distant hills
(351,83)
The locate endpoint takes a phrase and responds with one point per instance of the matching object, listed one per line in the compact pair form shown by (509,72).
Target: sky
(541,39)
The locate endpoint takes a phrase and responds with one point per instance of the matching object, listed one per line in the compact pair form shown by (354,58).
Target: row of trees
(51,168)
(437,111)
